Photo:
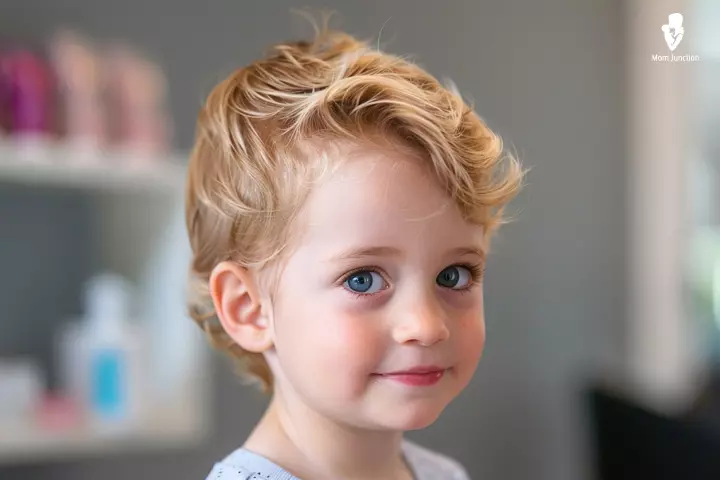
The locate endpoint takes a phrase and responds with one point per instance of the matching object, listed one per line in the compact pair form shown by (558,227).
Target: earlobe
(238,306)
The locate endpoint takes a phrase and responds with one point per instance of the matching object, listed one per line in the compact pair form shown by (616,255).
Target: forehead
(378,195)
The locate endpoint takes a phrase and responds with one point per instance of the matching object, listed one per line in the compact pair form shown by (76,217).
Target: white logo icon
(673,30)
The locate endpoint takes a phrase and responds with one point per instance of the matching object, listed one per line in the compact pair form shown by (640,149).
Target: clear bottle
(113,368)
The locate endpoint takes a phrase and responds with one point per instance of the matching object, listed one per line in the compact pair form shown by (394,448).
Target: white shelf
(137,231)
(30,444)
(57,165)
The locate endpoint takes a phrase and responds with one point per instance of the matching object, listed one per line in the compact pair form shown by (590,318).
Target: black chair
(633,443)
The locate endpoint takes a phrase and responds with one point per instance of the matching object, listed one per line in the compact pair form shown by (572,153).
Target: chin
(413,417)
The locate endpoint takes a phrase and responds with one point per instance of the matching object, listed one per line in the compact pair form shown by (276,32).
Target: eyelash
(476,270)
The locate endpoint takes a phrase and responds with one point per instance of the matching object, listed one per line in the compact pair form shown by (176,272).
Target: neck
(310,445)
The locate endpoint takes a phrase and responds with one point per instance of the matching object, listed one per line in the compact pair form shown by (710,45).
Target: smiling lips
(418,376)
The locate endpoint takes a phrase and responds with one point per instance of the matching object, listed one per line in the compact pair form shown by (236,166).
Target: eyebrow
(357,253)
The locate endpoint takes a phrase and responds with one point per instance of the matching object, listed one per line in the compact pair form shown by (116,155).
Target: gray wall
(549,77)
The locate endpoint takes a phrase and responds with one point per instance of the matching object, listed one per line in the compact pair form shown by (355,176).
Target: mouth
(417,376)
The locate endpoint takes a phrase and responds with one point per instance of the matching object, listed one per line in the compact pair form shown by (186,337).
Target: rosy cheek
(471,333)
(351,349)
(354,337)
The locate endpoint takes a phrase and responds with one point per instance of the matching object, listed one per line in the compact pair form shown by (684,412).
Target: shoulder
(431,465)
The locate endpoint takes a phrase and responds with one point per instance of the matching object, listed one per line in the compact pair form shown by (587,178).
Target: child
(340,204)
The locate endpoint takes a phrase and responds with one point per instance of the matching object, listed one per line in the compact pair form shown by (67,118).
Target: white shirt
(425,464)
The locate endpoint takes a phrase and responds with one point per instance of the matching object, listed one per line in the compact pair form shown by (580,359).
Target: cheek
(328,343)
(351,339)
(470,336)
(469,344)
(355,342)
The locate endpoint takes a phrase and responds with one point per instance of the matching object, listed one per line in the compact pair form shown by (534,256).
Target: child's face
(340,324)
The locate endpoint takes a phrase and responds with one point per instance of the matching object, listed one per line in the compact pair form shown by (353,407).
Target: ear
(239,308)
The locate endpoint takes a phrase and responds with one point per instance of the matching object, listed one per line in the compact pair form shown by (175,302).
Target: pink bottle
(136,89)
(30,97)
(78,70)
(4,94)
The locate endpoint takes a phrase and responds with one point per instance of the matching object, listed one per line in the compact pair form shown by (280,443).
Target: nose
(425,323)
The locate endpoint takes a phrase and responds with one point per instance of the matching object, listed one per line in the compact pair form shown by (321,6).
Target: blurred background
(602,298)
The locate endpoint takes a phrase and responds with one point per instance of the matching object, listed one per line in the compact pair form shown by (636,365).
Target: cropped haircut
(258,150)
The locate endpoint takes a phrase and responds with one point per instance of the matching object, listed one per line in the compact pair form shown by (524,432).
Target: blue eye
(365,282)
(455,277)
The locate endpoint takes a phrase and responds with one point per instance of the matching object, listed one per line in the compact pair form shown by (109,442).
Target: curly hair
(250,170)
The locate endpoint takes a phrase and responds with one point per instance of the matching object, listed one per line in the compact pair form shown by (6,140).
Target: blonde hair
(248,173)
